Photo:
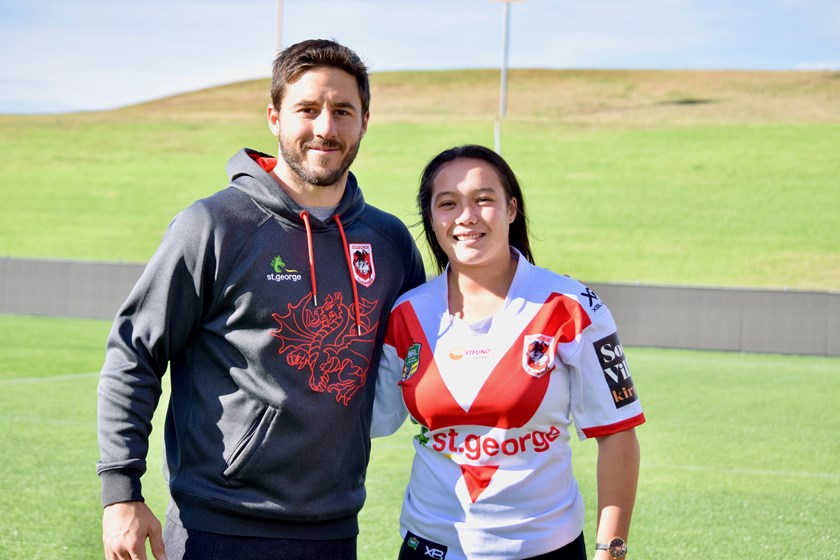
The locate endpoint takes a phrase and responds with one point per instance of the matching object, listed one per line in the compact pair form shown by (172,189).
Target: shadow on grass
(687,101)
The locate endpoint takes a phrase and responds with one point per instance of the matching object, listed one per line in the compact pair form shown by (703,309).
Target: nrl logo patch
(363,268)
(412,361)
(538,354)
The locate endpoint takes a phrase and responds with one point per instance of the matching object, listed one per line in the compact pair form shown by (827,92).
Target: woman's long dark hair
(518,234)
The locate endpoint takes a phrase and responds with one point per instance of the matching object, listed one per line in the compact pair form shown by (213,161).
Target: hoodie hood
(247,171)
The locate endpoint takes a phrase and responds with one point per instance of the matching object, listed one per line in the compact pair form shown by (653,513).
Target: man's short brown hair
(296,60)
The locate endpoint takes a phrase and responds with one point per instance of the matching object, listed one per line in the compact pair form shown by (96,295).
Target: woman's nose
(468,215)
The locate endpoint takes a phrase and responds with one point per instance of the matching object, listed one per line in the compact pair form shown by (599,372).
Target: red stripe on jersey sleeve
(609,429)
(568,317)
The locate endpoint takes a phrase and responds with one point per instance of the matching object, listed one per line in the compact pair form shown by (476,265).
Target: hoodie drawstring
(352,276)
(305,217)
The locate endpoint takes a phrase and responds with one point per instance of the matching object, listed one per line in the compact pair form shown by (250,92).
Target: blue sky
(67,55)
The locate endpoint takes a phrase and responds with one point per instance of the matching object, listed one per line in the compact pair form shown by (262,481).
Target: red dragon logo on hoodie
(325,342)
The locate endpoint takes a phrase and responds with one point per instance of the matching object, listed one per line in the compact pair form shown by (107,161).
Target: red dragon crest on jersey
(538,354)
(324,341)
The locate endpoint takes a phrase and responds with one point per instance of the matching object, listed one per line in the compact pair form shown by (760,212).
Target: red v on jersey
(478,478)
(509,397)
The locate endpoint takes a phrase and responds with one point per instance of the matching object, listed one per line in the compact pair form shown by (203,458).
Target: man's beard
(296,160)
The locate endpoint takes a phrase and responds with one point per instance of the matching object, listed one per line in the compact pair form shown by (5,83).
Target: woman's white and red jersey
(492,473)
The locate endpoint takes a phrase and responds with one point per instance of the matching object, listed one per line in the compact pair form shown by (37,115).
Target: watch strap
(617,547)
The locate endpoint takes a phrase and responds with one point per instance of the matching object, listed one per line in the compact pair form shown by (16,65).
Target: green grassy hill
(710,178)
(682,177)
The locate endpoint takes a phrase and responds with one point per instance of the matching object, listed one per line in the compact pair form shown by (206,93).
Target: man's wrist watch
(617,547)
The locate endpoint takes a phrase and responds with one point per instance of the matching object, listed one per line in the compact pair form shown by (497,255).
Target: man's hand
(125,528)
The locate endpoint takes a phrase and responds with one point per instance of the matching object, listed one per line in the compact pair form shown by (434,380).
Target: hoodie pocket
(250,443)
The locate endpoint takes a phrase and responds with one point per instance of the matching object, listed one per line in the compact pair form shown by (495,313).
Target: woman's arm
(618,475)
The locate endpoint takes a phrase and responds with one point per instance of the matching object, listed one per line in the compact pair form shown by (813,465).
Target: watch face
(617,548)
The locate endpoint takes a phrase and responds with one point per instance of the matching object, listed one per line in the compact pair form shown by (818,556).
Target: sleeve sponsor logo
(538,354)
(611,356)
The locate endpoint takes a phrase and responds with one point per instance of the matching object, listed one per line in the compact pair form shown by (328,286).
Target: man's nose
(324,125)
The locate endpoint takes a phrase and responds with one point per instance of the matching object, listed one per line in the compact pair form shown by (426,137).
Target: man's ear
(273,116)
(364,124)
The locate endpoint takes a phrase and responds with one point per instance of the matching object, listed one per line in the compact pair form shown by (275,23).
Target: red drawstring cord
(352,276)
(305,215)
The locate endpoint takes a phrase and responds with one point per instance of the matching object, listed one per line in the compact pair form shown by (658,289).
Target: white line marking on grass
(46,378)
(8,420)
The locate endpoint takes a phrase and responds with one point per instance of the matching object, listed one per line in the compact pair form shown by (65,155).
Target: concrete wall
(776,321)
(65,288)
(784,322)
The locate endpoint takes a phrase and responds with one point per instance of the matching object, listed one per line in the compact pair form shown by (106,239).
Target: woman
(493,359)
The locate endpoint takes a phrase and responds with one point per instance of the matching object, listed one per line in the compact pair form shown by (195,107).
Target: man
(271,329)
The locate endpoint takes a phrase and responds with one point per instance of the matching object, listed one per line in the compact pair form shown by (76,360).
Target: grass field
(703,178)
(739,453)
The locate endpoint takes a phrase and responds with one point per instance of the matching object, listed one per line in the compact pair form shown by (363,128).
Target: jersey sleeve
(603,396)
(389,411)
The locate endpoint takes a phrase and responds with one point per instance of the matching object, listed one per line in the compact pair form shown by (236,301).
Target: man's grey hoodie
(270,323)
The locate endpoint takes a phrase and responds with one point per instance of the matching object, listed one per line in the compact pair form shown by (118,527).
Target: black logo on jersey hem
(611,355)
(414,547)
